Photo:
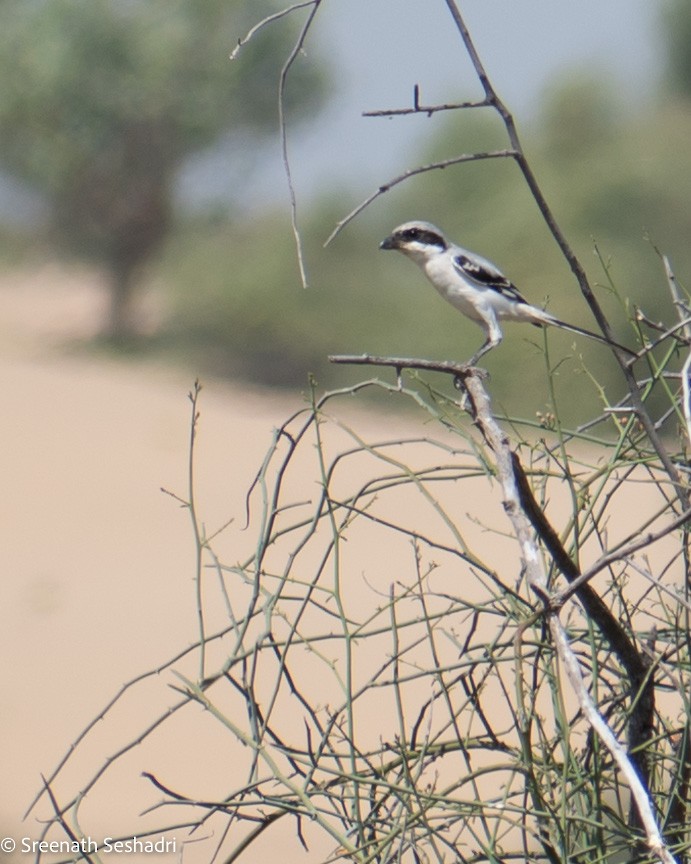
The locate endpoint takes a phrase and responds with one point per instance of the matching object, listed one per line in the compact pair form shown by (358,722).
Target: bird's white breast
(442,275)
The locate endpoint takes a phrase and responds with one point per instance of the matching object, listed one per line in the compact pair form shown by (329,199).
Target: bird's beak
(389,243)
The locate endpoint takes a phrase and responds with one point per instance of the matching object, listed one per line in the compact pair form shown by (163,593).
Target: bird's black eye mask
(422,235)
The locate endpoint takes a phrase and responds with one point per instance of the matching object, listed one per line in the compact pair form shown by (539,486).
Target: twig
(641,689)
(199,540)
(653,837)
(417,108)
(621,554)
(461,370)
(682,311)
(664,332)
(63,824)
(679,302)
(297,48)
(412,172)
(282,125)
(268,20)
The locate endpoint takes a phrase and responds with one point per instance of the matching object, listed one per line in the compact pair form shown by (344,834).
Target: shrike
(474,285)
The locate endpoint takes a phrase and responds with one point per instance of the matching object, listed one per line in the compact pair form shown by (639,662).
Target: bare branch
(536,577)
(681,304)
(412,172)
(621,554)
(297,48)
(59,816)
(448,366)
(268,20)
(654,839)
(418,108)
(682,311)
(537,580)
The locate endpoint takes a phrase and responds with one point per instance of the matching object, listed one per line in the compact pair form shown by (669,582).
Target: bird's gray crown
(423,233)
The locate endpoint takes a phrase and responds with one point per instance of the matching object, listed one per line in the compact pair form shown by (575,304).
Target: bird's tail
(596,336)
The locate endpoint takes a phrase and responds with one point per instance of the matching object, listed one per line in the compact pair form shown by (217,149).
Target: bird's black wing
(485,273)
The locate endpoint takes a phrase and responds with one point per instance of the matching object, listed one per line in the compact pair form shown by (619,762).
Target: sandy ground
(96,584)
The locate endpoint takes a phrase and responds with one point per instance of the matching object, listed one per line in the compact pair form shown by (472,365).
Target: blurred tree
(102,102)
(676,22)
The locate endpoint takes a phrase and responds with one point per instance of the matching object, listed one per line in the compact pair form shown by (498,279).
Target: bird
(474,285)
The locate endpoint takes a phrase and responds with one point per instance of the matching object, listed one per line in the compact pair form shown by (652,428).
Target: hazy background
(145,151)
(380,50)
(127,194)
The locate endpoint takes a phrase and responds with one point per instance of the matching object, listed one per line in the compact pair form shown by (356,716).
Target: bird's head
(417,240)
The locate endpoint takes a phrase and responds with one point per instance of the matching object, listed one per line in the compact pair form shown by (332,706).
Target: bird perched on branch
(474,285)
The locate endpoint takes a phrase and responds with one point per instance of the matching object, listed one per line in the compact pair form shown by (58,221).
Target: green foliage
(102,101)
(239,308)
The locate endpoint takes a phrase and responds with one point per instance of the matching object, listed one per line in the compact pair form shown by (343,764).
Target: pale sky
(379,49)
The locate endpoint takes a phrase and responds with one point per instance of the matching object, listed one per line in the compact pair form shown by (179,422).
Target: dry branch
(512,479)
